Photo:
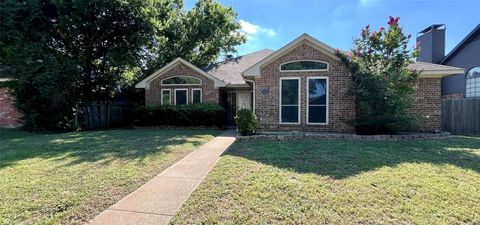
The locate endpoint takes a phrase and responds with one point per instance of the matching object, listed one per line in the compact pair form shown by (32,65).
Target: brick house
(9,116)
(302,86)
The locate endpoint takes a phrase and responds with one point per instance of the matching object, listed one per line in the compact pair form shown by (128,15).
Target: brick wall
(428,104)
(341,105)
(9,116)
(153,94)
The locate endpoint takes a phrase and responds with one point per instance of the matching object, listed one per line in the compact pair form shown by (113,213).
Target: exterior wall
(341,105)
(432,45)
(153,93)
(452,96)
(9,116)
(466,57)
(428,104)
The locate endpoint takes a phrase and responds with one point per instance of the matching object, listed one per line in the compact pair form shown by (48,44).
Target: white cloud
(252,30)
(257,37)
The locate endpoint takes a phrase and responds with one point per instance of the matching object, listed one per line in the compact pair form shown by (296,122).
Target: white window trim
(169,96)
(308,102)
(161,82)
(471,92)
(280,99)
(314,70)
(191,94)
(180,89)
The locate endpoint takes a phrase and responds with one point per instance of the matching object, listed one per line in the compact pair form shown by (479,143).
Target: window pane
(304,65)
(181,97)
(196,98)
(289,114)
(182,80)
(290,92)
(165,97)
(472,86)
(317,114)
(317,91)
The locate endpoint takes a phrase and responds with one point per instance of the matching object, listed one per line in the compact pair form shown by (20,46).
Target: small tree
(383,86)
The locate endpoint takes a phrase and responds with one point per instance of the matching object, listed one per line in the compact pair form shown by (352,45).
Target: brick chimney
(432,43)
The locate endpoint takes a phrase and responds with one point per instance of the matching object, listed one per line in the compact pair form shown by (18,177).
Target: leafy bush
(382,84)
(246,121)
(179,115)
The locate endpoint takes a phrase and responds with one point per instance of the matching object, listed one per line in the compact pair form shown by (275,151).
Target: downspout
(253,91)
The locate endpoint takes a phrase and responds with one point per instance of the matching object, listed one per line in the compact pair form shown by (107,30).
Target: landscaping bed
(270,136)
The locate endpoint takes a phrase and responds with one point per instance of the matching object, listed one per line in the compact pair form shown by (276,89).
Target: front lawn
(69,178)
(341,182)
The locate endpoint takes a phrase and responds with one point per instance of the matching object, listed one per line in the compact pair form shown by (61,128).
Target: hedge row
(180,115)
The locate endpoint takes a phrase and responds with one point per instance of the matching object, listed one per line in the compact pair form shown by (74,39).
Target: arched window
(303,65)
(181,80)
(472,83)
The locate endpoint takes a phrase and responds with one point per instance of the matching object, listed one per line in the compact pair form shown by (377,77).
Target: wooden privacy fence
(105,115)
(461,116)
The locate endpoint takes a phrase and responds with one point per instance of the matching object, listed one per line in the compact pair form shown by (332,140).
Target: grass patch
(69,178)
(341,182)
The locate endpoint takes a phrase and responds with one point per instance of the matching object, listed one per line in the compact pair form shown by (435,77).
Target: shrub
(382,83)
(246,121)
(179,115)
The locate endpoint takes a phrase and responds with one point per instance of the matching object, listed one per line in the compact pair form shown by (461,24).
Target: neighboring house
(465,55)
(9,116)
(303,86)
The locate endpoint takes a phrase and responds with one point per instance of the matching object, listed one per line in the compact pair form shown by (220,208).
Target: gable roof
(254,70)
(146,82)
(431,70)
(230,70)
(470,35)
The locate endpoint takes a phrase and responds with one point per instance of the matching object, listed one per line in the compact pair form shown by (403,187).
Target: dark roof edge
(469,35)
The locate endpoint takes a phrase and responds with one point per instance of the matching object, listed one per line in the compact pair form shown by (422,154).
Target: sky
(273,23)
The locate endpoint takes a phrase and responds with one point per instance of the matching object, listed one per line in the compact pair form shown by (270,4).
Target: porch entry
(235,101)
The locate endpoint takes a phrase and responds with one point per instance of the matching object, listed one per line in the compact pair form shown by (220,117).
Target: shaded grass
(341,182)
(69,178)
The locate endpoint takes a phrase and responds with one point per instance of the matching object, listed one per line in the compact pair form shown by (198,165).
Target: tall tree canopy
(64,54)
(383,86)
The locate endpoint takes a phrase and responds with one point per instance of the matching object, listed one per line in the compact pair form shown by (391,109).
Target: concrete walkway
(157,201)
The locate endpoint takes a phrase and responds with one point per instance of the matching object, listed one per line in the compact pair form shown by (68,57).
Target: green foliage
(199,35)
(383,86)
(247,122)
(203,114)
(65,54)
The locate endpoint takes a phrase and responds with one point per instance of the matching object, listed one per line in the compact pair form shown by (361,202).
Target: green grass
(69,178)
(341,182)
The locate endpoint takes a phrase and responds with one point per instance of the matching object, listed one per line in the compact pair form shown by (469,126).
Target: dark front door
(231,108)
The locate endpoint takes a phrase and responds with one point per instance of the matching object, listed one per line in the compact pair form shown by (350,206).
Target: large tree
(64,54)
(199,35)
(383,86)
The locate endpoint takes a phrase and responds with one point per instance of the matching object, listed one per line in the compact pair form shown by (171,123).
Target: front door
(231,108)
(235,102)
